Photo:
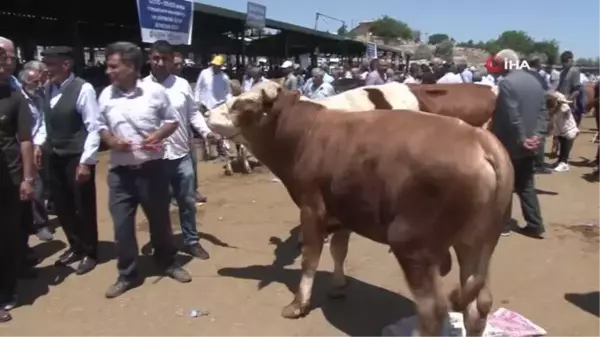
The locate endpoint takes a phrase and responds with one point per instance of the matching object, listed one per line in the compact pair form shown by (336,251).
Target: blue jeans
(181,173)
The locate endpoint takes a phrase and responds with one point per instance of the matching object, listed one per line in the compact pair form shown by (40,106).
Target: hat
(218,60)
(287,64)
(62,51)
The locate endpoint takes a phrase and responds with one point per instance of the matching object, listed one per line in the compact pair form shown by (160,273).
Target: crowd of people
(53,124)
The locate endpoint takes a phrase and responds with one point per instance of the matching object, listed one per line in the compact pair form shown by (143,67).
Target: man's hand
(120,144)
(26,190)
(37,157)
(82,173)
(153,142)
(211,136)
(531,143)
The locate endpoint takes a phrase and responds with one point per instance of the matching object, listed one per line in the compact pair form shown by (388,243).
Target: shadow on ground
(588,302)
(365,310)
(52,275)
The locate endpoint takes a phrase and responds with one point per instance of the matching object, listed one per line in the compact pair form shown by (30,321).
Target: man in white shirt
(451,76)
(212,90)
(178,144)
(413,73)
(69,135)
(316,87)
(136,118)
(252,78)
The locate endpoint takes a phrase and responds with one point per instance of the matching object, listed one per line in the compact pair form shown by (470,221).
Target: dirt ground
(246,227)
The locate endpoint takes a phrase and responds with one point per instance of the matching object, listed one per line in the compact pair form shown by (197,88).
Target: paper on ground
(502,322)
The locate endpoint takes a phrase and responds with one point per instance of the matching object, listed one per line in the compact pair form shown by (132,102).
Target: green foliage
(444,50)
(437,38)
(588,62)
(389,28)
(521,42)
(423,52)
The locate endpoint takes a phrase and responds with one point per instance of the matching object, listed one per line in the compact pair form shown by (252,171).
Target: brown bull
(472,103)
(419,182)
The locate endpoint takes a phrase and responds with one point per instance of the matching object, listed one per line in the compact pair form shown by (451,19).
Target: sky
(574,24)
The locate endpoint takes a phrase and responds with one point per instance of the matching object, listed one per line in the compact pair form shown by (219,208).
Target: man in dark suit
(519,121)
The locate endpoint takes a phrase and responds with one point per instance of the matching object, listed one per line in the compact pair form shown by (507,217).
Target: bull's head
(224,121)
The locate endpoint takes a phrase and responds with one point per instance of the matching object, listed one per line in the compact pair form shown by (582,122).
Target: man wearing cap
(178,144)
(69,136)
(17,173)
(519,119)
(291,81)
(212,90)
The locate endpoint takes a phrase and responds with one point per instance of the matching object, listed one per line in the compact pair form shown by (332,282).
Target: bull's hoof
(246,167)
(337,292)
(294,310)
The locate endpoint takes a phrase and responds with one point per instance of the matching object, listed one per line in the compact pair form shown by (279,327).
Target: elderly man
(177,149)
(378,75)
(316,87)
(519,120)
(136,118)
(17,174)
(69,137)
(252,78)
(291,81)
(31,82)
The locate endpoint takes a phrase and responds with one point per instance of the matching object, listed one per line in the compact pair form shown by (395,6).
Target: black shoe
(4,316)
(532,232)
(197,251)
(10,304)
(178,274)
(86,265)
(67,258)
(117,289)
(543,170)
(505,232)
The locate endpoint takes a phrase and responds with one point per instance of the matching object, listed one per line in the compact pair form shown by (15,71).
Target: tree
(444,50)
(516,40)
(423,52)
(342,31)
(389,28)
(416,35)
(492,46)
(438,38)
(549,48)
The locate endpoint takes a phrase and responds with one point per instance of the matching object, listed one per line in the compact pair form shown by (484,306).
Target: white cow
(396,95)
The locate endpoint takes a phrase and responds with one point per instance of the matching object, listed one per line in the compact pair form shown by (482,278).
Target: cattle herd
(408,166)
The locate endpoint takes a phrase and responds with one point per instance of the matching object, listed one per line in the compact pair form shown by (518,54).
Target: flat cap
(63,51)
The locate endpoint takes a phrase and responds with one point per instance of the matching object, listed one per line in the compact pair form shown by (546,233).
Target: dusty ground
(245,283)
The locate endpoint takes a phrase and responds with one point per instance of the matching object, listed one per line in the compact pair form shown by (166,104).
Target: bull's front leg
(242,155)
(311,224)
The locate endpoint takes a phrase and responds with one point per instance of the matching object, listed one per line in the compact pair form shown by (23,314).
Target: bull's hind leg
(422,272)
(338,248)
(312,246)
(472,296)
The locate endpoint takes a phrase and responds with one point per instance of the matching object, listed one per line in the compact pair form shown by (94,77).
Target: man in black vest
(71,145)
